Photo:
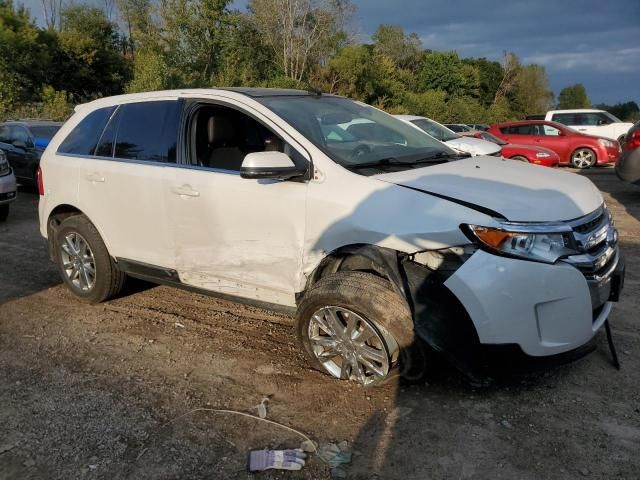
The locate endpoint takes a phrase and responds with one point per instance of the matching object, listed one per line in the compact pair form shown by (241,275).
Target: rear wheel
(520,158)
(583,158)
(354,326)
(4,212)
(84,262)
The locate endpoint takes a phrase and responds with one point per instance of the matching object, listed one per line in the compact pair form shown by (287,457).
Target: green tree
(94,63)
(446,72)
(531,93)
(574,96)
(403,50)
(490,75)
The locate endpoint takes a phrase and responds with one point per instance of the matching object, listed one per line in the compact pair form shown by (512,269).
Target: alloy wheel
(583,158)
(78,261)
(348,345)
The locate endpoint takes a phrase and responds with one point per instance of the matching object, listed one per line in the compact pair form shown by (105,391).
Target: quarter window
(148,131)
(84,137)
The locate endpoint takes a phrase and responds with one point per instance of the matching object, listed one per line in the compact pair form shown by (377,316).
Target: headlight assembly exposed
(539,244)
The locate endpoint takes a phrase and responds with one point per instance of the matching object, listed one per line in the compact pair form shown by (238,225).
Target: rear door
(550,137)
(123,182)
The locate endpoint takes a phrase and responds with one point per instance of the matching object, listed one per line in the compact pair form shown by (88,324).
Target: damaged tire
(355,326)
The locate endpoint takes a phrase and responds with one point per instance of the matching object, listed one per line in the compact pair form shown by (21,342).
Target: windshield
(437,131)
(354,134)
(490,137)
(45,132)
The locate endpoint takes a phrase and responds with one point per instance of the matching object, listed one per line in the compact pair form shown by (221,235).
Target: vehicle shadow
(446,416)
(25,267)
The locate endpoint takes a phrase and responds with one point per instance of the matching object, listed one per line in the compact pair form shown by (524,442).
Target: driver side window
(220,137)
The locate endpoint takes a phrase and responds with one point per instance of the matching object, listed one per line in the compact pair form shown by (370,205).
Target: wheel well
(56,217)
(439,317)
(378,261)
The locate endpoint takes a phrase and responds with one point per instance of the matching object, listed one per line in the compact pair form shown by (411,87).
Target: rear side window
(516,130)
(83,139)
(148,131)
(565,118)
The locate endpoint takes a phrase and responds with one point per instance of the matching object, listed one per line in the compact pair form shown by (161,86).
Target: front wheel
(84,263)
(4,212)
(354,326)
(583,158)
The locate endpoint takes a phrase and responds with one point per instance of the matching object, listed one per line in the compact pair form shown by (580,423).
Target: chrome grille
(596,241)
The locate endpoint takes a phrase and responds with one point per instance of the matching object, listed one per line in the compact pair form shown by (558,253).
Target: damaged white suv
(378,236)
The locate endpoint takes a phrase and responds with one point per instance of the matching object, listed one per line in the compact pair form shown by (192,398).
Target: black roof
(272,92)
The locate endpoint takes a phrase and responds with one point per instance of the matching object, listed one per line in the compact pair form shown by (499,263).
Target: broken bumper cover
(545,309)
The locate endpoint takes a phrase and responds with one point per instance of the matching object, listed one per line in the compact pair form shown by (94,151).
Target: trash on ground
(262,407)
(334,454)
(309,446)
(292,459)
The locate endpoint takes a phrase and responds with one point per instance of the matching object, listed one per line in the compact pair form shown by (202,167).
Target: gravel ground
(120,390)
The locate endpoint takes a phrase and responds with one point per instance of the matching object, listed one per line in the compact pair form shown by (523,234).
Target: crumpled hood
(518,191)
(474,146)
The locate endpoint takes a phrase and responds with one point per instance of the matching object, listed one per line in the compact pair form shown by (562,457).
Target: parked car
(458,127)
(8,190)
(524,153)
(592,122)
(376,244)
(628,164)
(23,142)
(461,143)
(481,127)
(574,148)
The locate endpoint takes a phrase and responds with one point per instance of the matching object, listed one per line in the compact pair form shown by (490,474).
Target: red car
(524,153)
(574,148)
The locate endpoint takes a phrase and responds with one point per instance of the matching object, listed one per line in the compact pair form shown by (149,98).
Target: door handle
(582,129)
(185,190)
(94,177)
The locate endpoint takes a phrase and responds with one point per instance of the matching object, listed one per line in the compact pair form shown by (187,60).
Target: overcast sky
(595,42)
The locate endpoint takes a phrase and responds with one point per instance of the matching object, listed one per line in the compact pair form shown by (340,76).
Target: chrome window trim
(151,163)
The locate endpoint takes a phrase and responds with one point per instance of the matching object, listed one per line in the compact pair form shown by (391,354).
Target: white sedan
(472,146)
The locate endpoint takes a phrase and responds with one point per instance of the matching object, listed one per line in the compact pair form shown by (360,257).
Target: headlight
(542,155)
(541,243)
(606,143)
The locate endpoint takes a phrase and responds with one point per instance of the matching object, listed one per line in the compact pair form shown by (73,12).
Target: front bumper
(8,188)
(606,155)
(545,309)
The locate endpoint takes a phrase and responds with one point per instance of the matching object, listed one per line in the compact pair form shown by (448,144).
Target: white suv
(591,122)
(377,235)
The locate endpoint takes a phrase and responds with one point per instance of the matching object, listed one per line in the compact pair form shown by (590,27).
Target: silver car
(8,187)
(628,164)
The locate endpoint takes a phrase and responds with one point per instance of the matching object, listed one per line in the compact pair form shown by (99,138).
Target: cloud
(621,60)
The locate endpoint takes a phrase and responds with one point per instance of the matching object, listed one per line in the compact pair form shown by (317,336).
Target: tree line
(84,52)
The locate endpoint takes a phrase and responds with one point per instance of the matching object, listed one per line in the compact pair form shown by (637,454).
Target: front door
(236,236)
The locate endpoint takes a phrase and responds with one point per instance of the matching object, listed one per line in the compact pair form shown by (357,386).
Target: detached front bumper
(8,188)
(545,309)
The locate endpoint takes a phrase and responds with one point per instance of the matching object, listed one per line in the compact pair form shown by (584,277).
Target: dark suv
(23,143)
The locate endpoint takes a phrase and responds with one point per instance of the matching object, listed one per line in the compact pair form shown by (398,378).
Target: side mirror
(274,165)
(20,144)
(561,133)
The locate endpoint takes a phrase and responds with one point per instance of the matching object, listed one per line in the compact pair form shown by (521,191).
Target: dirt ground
(112,391)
